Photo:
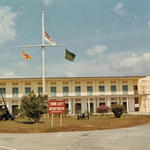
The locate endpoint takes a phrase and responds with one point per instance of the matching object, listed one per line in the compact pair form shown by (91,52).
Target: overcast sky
(109,37)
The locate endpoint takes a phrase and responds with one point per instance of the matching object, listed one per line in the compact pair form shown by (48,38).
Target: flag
(48,39)
(69,56)
(26,56)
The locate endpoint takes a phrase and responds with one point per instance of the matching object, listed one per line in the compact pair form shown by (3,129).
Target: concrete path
(134,138)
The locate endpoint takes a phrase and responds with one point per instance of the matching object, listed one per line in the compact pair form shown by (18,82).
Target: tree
(118,110)
(33,106)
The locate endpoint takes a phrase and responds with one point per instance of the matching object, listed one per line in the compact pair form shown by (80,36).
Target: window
(89,90)
(77,90)
(101,89)
(3,91)
(27,90)
(136,89)
(53,90)
(136,101)
(113,88)
(15,92)
(125,89)
(65,90)
(40,90)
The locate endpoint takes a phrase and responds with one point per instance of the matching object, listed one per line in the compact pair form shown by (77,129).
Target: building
(82,93)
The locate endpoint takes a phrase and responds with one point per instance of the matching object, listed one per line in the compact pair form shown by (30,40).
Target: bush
(102,109)
(118,110)
(33,106)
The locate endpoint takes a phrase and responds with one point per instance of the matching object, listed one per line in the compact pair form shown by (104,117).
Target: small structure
(144,89)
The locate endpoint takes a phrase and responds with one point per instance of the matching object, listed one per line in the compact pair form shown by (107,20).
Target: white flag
(48,39)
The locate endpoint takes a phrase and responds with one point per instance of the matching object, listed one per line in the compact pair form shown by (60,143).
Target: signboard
(56,107)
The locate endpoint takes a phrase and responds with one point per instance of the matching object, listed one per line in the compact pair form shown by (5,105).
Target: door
(14,109)
(125,105)
(91,108)
(66,108)
(78,108)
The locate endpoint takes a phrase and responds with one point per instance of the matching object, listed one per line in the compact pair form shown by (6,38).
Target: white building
(82,93)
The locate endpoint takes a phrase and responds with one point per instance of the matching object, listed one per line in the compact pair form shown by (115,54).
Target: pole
(60,120)
(52,120)
(43,55)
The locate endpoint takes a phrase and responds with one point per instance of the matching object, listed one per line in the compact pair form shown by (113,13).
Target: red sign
(56,107)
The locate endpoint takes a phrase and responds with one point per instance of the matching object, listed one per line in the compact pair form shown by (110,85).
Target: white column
(108,102)
(127,104)
(97,101)
(94,105)
(83,105)
(89,105)
(146,101)
(69,106)
(73,106)
(9,105)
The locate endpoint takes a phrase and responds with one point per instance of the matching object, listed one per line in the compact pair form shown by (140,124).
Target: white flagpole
(43,55)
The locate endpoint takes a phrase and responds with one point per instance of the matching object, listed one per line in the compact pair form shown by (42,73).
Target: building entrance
(77,108)
(91,108)
(67,108)
(125,105)
(14,109)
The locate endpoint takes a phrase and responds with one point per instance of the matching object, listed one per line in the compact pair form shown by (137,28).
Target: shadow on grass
(29,122)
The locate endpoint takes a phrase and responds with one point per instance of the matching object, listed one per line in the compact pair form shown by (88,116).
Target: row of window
(53,90)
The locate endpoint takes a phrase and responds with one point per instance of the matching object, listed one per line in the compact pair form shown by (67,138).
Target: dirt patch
(72,124)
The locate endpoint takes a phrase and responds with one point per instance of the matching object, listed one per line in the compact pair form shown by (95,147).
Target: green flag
(69,56)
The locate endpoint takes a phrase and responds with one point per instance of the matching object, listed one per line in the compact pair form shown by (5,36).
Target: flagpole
(43,51)
(43,55)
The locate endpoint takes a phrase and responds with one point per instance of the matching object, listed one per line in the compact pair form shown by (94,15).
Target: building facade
(80,93)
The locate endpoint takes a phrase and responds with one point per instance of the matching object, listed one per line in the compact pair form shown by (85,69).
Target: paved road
(134,138)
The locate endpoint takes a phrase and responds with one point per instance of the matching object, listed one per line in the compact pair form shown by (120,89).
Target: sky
(109,37)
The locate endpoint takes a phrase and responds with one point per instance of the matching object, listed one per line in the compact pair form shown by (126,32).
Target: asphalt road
(134,138)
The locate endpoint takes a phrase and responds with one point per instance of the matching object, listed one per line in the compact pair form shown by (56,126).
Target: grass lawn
(72,124)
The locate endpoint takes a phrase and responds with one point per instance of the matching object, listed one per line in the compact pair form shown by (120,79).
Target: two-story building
(82,93)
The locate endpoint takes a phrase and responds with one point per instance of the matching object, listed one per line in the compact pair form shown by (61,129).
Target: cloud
(70,73)
(148,24)
(127,63)
(7,24)
(109,64)
(21,64)
(132,64)
(9,75)
(96,50)
(119,9)
(47,2)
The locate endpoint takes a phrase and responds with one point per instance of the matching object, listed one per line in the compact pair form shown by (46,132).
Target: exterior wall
(86,100)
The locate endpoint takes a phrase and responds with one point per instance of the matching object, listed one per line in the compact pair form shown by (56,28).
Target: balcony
(125,92)
(136,92)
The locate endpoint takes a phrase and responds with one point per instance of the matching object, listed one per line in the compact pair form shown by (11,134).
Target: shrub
(102,109)
(118,110)
(33,106)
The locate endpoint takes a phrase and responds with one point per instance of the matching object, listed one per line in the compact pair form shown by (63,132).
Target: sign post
(56,107)
(52,120)
(60,120)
